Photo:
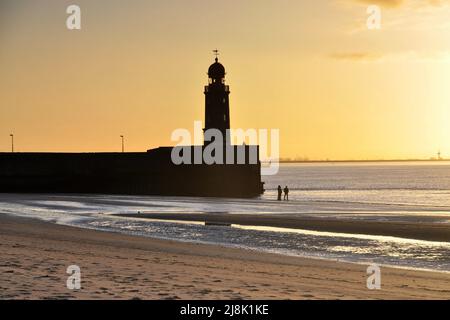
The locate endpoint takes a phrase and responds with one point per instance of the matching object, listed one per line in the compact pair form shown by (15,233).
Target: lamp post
(123,143)
(12,142)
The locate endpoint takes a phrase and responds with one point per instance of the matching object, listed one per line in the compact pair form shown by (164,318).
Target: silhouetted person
(286,193)
(280,192)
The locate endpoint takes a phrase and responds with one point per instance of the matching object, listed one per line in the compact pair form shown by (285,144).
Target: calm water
(414,183)
(413,192)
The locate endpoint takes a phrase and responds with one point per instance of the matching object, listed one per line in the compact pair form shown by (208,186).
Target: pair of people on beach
(286,193)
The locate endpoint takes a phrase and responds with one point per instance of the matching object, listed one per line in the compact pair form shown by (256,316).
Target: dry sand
(35,255)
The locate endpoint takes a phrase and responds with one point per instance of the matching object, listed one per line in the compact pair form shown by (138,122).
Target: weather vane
(216,53)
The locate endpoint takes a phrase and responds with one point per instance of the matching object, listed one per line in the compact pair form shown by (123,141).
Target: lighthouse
(217,105)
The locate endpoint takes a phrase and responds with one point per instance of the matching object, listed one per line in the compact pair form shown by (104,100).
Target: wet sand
(411,230)
(36,254)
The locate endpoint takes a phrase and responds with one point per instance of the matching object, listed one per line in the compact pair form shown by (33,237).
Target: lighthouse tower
(217,106)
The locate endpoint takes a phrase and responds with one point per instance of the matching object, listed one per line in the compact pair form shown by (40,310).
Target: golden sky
(312,69)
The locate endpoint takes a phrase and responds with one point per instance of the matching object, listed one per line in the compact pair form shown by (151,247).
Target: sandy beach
(35,256)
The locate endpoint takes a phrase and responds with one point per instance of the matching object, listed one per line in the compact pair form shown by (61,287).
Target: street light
(123,144)
(12,142)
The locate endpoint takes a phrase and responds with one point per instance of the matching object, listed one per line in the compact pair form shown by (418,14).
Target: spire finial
(216,53)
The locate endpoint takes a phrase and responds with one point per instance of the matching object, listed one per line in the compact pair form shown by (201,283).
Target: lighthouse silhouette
(217,103)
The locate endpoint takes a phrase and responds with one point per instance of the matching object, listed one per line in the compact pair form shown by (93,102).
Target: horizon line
(361,160)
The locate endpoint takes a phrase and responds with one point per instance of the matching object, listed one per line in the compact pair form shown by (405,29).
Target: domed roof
(216,70)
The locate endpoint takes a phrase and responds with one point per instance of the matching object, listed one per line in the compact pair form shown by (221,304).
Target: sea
(410,192)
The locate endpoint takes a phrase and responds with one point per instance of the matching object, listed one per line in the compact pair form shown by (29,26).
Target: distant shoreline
(361,161)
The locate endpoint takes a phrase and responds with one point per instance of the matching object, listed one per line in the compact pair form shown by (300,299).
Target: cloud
(437,3)
(384,3)
(421,56)
(400,3)
(356,56)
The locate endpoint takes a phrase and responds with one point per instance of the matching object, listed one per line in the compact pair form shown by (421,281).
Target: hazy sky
(309,68)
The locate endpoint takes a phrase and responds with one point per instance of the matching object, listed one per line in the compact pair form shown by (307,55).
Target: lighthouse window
(224,100)
(225,117)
